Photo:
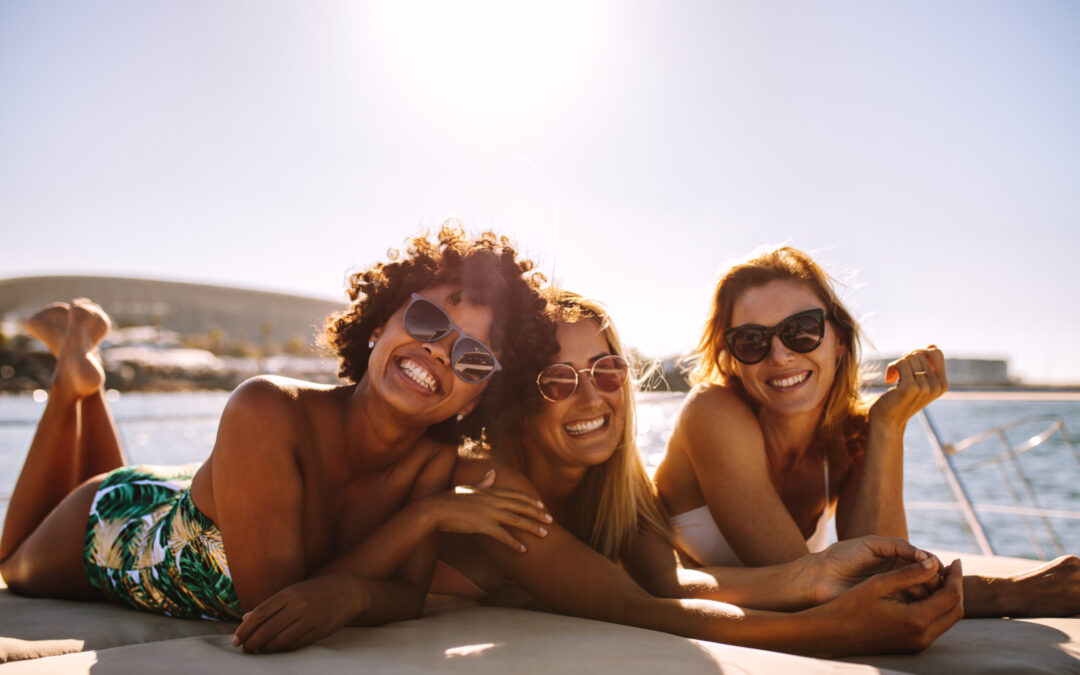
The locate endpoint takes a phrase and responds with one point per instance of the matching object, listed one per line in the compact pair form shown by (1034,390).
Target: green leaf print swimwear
(148,547)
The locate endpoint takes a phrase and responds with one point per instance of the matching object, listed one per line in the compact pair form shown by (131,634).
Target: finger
(526,509)
(269,629)
(937,360)
(488,480)
(289,638)
(950,599)
(923,372)
(903,367)
(509,519)
(251,621)
(504,537)
(516,494)
(895,582)
(892,547)
(891,373)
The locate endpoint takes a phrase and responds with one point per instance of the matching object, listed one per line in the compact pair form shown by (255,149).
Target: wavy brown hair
(843,425)
(616,498)
(490,273)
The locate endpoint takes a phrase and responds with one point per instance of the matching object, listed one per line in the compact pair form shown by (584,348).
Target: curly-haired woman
(303,478)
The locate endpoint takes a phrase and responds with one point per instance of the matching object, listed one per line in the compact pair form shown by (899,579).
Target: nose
(778,351)
(441,349)
(587,389)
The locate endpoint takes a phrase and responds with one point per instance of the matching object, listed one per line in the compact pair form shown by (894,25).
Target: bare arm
(811,580)
(872,501)
(258,492)
(571,578)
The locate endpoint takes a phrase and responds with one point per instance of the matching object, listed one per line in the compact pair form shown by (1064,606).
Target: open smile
(418,374)
(585,427)
(788,381)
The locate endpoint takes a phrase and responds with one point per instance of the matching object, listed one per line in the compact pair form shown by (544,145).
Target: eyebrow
(590,360)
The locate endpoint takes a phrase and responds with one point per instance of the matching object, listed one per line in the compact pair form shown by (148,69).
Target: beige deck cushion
(47,636)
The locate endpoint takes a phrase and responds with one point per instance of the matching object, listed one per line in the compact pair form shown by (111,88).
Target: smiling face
(416,377)
(786,382)
(584,429)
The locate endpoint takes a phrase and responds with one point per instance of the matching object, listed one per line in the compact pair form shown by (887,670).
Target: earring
(460,416)
(371,343)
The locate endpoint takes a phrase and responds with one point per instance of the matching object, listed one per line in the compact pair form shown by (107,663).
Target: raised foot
(78,368)
(49,325)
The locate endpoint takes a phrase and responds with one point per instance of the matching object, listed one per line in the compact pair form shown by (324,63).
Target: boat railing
(1013,477)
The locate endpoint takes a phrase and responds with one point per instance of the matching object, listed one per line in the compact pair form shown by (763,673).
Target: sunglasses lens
(609,373)
(802,333)
(749,345)
(425,321)
(557,382)
(473,362)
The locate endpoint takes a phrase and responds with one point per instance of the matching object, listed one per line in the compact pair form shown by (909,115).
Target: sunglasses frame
(451,328)
(591,370)
(820,314)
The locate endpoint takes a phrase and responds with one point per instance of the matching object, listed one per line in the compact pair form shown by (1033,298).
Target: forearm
(797,633)
(878,503)
(386,601)
(384,551)
(776,587)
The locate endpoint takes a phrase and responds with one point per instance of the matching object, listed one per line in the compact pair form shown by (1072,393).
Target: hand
(882,618)
(849,562)
(918,378)
(300,614)
(483,509)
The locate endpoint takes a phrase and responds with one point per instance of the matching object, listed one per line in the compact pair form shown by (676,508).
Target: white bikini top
(697,534)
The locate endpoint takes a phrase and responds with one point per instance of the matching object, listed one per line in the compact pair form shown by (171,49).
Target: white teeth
(790,381)
(584,427)
(418,374)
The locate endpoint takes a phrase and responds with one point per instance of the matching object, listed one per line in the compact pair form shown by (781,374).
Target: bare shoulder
(712,411)
(471,470)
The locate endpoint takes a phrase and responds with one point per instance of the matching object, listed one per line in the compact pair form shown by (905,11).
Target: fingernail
(543,531)
(539,503)
(921,555)
(547,517)
(235,641)
(522,548)
(928,563)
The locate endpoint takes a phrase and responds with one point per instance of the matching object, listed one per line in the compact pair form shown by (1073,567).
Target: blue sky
(927,152)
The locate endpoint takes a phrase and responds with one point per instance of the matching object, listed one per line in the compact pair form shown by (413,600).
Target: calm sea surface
(179,428)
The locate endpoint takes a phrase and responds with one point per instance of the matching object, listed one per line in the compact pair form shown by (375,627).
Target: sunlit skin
(756,468)
(565,575)
(302,480)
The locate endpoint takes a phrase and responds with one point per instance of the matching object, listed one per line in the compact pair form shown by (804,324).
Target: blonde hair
(616,498)
(843,424)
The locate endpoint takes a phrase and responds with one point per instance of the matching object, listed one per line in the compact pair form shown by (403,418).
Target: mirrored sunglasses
(470,359)
(559,381)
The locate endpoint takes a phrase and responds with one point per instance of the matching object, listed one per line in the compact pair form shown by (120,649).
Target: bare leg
(99,443)
(51,470)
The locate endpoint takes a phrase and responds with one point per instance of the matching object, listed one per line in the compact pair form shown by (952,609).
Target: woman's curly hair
(490,273)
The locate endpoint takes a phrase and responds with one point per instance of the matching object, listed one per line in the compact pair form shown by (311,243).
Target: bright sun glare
(508,58)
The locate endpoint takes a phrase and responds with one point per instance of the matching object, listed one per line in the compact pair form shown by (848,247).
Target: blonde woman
(606,554)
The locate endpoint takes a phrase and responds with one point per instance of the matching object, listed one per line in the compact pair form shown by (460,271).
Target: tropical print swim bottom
(148,547)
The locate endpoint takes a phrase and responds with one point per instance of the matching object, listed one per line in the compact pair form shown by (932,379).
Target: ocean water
(175,428)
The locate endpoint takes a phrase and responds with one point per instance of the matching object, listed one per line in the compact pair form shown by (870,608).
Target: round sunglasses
(800,333)
(559,381)
(470,359)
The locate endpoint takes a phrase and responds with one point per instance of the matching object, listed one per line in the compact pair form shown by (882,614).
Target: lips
(788,381)
(417,372)
(583,427)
